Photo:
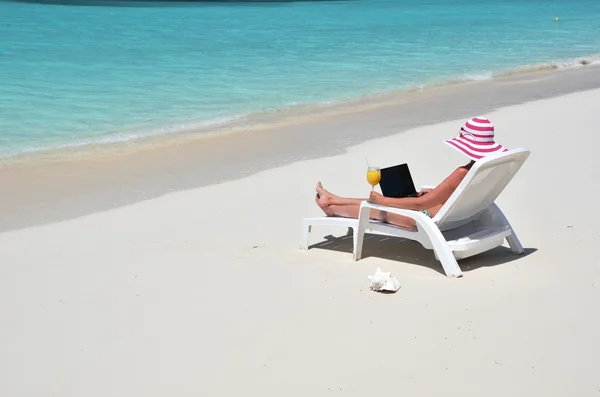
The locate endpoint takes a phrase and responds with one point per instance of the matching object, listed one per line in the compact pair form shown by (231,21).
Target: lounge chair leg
(359,237)
(448,261)
(443,253)
(514,243)
(441,250)
(359,233)
(354,240)
(512,239)
(305,237)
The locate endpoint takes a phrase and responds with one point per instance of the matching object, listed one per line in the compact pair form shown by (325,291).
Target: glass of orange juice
(373,176)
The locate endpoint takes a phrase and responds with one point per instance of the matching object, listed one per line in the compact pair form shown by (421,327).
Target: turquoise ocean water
(71,75)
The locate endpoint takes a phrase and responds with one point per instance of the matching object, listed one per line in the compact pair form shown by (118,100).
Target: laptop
(397,182)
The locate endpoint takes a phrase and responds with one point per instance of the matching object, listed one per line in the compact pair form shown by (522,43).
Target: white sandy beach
(205,292)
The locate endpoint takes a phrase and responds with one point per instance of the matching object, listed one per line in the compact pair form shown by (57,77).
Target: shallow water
(71,75)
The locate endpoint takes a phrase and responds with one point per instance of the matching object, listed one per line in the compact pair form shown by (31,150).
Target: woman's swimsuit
(426,213)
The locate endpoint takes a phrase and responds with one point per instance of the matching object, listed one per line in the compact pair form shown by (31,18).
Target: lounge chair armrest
(416,215)
(427,187)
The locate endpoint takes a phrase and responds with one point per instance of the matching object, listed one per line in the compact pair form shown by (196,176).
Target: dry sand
(204,292)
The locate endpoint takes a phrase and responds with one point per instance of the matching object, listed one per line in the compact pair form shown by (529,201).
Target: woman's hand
(376,198)
(424,191)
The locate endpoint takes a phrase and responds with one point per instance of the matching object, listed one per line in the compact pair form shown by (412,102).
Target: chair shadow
(403,250)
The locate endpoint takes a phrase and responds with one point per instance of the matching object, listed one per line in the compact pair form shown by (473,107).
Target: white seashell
(381,281)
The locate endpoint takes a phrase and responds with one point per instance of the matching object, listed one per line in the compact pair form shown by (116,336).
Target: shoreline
(55,189)
(274,117)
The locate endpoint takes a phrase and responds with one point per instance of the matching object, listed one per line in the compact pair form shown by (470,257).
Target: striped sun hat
(476,139)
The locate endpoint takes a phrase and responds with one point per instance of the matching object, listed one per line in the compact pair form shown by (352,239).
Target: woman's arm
(437,196)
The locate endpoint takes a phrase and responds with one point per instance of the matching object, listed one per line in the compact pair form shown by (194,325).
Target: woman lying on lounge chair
(476,140)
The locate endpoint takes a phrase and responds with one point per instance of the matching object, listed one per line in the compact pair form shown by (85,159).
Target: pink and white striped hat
(476,139)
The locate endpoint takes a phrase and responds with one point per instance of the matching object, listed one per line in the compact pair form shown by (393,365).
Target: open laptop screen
(397,182)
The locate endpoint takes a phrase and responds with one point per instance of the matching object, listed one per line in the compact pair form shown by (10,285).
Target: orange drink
(373,176)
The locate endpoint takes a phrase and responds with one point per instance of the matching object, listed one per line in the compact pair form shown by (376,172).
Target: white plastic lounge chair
(468,223)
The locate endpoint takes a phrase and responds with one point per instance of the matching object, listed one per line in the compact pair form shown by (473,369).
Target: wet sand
(62,185)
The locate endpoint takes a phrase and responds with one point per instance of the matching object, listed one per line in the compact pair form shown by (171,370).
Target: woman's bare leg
(351,211)
(328,198)
(333,205)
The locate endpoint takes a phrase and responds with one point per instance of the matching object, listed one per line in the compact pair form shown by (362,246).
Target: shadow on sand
(399,249)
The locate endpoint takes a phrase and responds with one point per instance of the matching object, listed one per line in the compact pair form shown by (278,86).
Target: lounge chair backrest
(480,188)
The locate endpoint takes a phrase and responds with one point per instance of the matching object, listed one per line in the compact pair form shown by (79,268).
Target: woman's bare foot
(326,209)
(324,196)
(323,199)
